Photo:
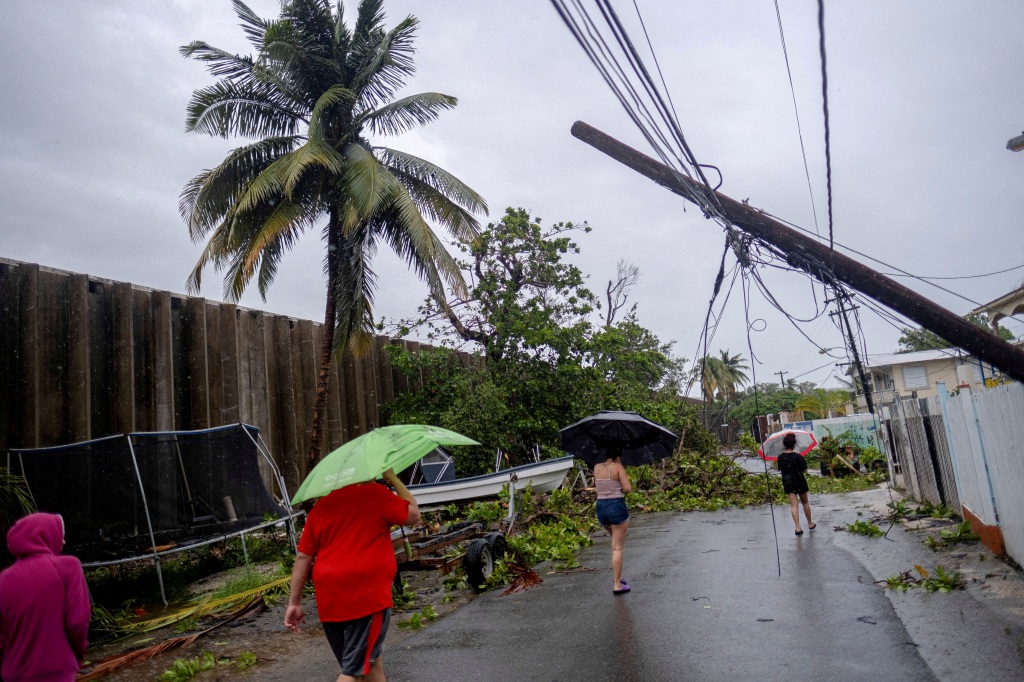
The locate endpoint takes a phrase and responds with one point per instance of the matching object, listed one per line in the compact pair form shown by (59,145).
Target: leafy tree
(310,97)
(922,339)
(544,364)
(770,398)
(823,402)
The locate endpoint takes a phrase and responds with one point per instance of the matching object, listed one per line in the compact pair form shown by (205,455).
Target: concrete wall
(82,357)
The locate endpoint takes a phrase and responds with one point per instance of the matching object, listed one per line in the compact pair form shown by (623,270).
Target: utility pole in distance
(782,381)
(822,263)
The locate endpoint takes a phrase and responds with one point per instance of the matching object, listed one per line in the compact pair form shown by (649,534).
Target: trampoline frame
(261,447)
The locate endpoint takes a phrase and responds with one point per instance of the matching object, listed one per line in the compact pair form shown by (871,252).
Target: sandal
(799,532)
(812,526)
(624,590)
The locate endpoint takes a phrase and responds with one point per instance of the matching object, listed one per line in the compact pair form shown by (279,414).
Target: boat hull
(542,477)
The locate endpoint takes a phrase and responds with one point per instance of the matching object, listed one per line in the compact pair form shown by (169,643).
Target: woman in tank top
(612,484)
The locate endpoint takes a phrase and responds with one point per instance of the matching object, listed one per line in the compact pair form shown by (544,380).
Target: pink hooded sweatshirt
(44,605)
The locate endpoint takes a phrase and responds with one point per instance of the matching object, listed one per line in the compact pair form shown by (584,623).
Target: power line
(650,110)
(796,111)
(987,274)
(876,260)
(824,98)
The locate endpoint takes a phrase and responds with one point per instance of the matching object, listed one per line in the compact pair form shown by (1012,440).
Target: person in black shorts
(792,467)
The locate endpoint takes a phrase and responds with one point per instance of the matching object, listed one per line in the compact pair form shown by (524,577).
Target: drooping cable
(824,98)
(876,260)
(757,410)
(924,277)
(796,112)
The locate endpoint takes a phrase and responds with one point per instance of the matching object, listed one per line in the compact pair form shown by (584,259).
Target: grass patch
(845,484)
(947,537)
(864,528)
(940,581)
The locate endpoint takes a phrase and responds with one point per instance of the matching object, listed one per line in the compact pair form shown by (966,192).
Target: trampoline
(141,496)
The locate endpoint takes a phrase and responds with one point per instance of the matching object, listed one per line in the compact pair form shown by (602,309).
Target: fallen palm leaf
(204,607)
(112,663)
(523,578)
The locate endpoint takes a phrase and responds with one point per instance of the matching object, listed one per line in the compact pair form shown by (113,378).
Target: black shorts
(794,484)
(357,643)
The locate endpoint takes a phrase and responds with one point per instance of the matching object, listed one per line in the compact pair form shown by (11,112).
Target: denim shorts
(612,512)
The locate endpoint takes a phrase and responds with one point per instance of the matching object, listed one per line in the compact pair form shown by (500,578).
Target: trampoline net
(197,485)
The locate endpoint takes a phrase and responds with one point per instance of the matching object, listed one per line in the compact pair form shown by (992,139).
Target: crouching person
(44,605)
(348,535)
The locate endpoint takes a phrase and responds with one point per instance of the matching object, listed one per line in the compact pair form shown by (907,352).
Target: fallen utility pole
(819,261)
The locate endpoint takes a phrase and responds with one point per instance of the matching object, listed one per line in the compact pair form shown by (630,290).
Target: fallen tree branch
(111,663)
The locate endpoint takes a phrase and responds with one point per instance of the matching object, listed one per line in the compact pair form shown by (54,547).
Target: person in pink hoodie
(44,605)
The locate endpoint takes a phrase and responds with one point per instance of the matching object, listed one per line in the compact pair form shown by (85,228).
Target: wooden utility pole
(845,324)
(822,263)
(782,379)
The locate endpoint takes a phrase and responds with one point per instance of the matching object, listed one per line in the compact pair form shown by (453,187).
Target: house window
(915,376)
(882,382)
(977,374)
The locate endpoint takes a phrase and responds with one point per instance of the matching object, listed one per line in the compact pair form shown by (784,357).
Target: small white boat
(542,477)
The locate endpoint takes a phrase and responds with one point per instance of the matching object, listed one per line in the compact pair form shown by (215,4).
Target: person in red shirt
(348,533)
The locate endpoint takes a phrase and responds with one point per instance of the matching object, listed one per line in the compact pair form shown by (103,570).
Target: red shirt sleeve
(393,509)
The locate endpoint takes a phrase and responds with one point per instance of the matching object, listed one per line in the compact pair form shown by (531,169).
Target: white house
(915,375)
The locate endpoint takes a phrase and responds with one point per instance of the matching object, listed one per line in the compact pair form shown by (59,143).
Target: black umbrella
(640,440)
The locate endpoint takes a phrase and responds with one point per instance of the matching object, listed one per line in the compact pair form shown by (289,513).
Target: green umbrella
(373,453)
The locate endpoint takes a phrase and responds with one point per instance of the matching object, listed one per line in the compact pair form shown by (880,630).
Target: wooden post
(124,359)
(27,425)
(228,321)
(163,361)
(819,261)
(198,376)
(79,384)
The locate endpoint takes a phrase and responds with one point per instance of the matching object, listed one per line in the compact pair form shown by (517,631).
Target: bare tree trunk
(323,378)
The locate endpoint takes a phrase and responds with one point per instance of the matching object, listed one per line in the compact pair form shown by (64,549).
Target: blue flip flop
(624,590)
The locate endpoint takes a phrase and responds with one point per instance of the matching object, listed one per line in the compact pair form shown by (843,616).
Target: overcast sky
(923,97)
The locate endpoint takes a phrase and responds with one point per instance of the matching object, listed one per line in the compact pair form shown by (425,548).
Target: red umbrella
(772,447)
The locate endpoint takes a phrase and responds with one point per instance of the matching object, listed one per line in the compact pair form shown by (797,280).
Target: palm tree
(823,402)
(734,376)
(721,376)
(710,373)
(310,97)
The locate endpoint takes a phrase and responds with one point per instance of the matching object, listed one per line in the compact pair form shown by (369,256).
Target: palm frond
(369,17)
(315,153)
(209,196)
(252,25)
(219,62)
(248,109)
(336,96)
(408,113)
(368,184)
(380,68)
(355,283)
(412,239)
(433,175)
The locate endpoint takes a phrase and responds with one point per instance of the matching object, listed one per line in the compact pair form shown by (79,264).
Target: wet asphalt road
(707,604)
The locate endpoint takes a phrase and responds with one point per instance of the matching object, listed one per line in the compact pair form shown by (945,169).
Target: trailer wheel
(498,544)
(479,563)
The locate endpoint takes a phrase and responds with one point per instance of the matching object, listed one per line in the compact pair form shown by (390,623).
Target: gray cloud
(924,96)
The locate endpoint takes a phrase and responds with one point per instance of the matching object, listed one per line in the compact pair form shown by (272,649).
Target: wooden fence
(967,451)
(83,357)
